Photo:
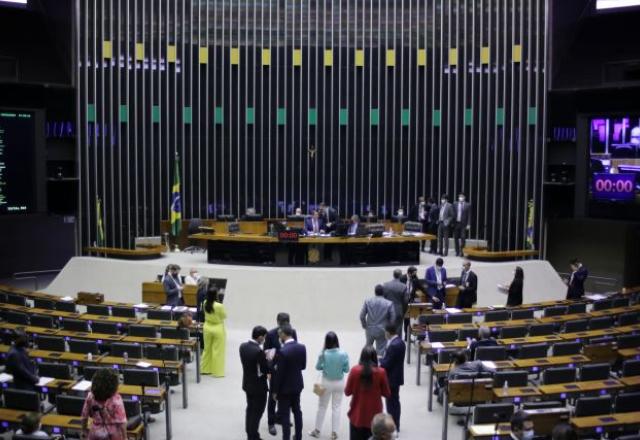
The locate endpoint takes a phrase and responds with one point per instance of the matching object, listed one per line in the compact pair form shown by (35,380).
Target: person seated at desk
(461,367)
(30,425)
(193,277)
(314,224)
(356,228)
(521,426)
(484,340)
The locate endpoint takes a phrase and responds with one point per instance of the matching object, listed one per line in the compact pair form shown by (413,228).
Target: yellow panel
(235,55)
(139,51)
(297,57)
(359,61)
(453,56)
(516,53)
(422,57)
(391,57)
(171,54)
(485,55)
(266,57)
(107,50)
(328,57)
(203,55)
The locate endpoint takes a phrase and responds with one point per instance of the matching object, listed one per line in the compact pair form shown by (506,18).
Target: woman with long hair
(105,407)
(367,383)
(514,295)
(215,335)
(333,363)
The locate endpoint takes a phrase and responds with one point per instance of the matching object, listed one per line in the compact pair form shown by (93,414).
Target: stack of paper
(4,377)
(66,298)
(165,308)
(490,365)
(142,364)
(453,310)
(437,345)
(44,381)
(141,306)
(83,385)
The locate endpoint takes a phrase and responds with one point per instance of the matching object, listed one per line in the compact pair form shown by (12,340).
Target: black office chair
(144,331)
(492,413)
(600,323)
(50,343)
(544,404)
(138,376)
(161,315)
(16,300)
(107,328)
(629,437)
(88,372)
(21,399)
(16,317)
(513,332)
(620,301)
(566,348)
(555,311)
(459,318)
(602,340)
(41,303)
(627,402)
(593,406)
(67,405)
(531,351)
(32,437)
(541,329)
(96,309)
(123,312)
(577,325)
(175,333)
(43,321)
(602,304)
(577,307)
(465,333)
(496,315)
(628,341)
(431,319)
(595,372)
(133,410)
(631,367)
(522,314)
(75,325)
(66,306)
(498,353)
(556,375)
(164,352)
(55,370)
(629,318)
(84,347)
(443,335)
(514,378)
(134,351)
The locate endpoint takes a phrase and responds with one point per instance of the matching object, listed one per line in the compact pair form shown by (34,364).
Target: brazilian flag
(176,201)
(100,241)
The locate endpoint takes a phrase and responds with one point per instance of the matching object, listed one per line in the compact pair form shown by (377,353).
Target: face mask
(461,199)
(528,434)
(443,201)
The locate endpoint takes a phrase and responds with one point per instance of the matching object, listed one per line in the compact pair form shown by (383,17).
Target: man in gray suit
(445,218)
(462,210)
(376,313)
(396,292)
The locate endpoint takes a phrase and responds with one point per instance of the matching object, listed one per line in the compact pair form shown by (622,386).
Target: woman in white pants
(333,363)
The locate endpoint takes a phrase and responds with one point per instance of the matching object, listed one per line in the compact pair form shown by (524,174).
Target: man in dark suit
(314,224)
(436,279)
(329,215)
(20,366)
(393,363)
(414,285)
(420,213)
(468,294)
(172,285)
(396,292)
(432,224)
(462,210)
(254,380)
(575,283)
(272,346)
(356,228)
(445,219)
(288,383)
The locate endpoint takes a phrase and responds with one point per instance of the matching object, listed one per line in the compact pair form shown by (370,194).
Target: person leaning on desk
(461,367)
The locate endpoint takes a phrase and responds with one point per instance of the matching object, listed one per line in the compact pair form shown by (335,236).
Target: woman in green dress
(215,335)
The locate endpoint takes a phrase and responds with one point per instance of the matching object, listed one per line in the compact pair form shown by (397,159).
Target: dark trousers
(356,433)
(255,408)
(459,237)
(271,409)
(393,405)
(287,404)
(433,244)
(465,300)
(443,239)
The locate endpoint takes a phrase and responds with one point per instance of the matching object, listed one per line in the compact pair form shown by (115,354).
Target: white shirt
(460,206)
(315,225)
(421,212)
(258,366)
(442,211)
(391,339)
(192,280)
(288,341)
(438,275)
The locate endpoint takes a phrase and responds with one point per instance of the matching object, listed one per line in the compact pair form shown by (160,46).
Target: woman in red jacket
(367,383)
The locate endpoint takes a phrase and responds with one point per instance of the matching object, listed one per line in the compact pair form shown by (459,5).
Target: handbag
(318,388)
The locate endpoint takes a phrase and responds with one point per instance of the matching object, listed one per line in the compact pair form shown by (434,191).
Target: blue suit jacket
(289,363)
(308,224)
(393,362)
(432,282)
(171,290)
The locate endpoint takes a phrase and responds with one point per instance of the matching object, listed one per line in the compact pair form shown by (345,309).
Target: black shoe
(272,430)
(460,422)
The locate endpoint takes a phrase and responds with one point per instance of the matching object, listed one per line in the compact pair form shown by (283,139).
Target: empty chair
(139,376)
(522,314)
(88,372)
(593,406)
(620,301)
(595,372)
(69,405)
(514,378)
(602,304)
(541,329)
(145,331)
(443,335)
(491,353)
(492,413)
(133,410)
(602,340)
(496,315)
(530,351)
(465,333)
(16,317)
(555,311)
(544,404)
(96,309)
(629,437)
(51,343)
(133,350)
(66,306)
(628,341)
(513,332)
(432,319)
(43,321)
(566,348)
(41,303)
(180,333)
(161,315)
(555,375)
(16,300)
(123,312)
(108,328)
(84,347)
(75,325)
(577,307)
(629,318)
(631,367)
(21,399)
(459,318)
(577,325)
(627,402)
(55,370)
(170,352)
(600,323)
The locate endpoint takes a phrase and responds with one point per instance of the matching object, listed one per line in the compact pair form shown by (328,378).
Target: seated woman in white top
(30,425)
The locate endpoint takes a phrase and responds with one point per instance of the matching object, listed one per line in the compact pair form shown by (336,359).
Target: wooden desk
(564,318)
(614,311)
(495,325)
(485,254)
(109,319)
(417,309)
(38,311)
(153,293)
(515,393)
(513,342)
(605,423)
(538,364)
(581,336)
(127,254)
(631,381)
(567,389)
(627,353)
(437,327)
(90,336)
(489,431)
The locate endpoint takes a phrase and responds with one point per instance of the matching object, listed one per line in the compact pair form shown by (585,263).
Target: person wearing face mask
(420,213)
(468,293)
(436,278)
(172,286)
(254,380)
(432,224)
(521,426)
(445,219)
(192,278)
(462,210)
